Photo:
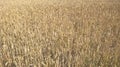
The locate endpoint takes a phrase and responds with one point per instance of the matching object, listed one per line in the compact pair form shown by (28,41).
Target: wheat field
(59,33)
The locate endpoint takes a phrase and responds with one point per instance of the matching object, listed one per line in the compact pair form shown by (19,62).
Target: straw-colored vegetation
(59,33)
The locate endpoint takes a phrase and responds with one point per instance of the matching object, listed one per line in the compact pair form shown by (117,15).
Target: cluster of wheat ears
(54,33)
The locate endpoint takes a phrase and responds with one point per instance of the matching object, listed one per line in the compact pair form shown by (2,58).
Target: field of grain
(59,33)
